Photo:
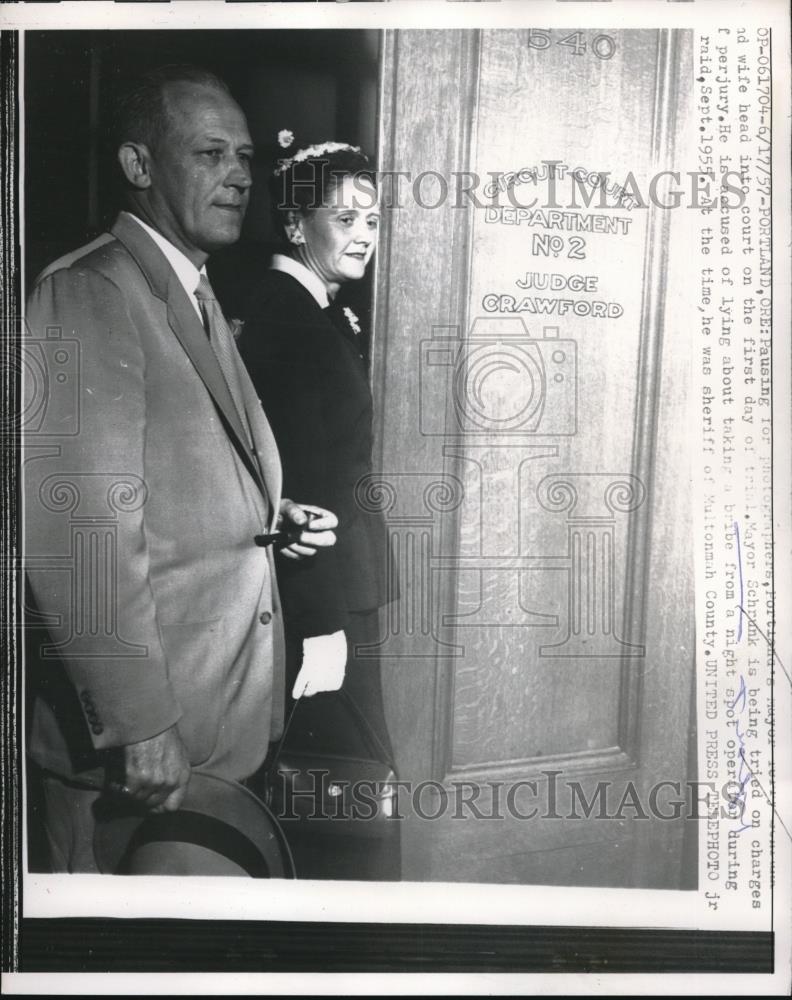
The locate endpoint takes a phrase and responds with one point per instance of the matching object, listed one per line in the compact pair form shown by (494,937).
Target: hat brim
(221,828)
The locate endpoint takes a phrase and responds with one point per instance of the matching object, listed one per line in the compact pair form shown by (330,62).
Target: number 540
(603,46)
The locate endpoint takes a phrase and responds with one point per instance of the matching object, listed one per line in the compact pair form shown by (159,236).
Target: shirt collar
(310,282)
(187,273)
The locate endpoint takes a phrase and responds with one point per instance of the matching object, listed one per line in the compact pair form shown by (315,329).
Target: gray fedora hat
(221,828)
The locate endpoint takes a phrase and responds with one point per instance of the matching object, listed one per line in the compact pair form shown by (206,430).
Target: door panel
(543,631)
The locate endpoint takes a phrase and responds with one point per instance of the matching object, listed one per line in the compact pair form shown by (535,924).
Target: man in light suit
(149,500)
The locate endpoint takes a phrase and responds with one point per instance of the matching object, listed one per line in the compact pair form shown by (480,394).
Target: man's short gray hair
(140,113)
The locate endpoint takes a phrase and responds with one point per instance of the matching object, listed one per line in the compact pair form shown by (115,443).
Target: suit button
(265,617)
(97,730)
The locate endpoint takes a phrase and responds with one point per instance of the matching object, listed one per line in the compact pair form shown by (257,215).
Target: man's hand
(157,771)
(323,666)
(316,522)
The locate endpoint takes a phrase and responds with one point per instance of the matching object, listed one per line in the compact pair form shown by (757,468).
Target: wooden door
(538,662)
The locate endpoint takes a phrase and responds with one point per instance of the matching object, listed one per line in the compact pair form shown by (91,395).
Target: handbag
(329,774)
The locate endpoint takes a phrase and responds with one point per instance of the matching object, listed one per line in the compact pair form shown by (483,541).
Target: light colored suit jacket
(141,503)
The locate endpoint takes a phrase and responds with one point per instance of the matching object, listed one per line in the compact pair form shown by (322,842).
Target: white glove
(323,665)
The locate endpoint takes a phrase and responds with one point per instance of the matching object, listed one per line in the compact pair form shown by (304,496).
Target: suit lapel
(187,328)
(263,438)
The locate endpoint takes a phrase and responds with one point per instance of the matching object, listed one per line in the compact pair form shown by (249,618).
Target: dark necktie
(254,422)
(223,345)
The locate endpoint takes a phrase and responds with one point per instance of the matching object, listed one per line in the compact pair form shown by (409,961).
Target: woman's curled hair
(303,185)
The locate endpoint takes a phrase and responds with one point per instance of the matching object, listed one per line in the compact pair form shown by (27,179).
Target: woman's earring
(297,237)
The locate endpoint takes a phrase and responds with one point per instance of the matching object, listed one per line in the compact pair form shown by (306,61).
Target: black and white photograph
(398,547)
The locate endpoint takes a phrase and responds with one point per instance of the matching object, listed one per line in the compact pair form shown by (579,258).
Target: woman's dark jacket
(307,367)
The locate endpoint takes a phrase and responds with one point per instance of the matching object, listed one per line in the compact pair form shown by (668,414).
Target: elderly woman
(306,358)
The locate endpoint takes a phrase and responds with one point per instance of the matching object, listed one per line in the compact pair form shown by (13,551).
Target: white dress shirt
(187,273)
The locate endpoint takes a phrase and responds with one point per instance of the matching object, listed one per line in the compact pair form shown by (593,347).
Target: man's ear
(294,231)
(134,158)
